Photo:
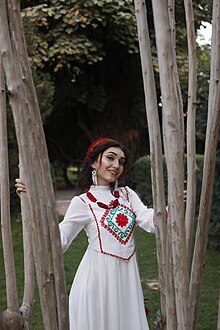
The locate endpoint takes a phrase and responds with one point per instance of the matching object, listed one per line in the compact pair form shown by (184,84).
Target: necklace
(111,205)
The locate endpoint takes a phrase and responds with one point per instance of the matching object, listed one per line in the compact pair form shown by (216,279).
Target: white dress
(106,293)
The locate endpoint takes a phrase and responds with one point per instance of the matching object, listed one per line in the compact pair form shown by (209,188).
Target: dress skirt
(106,294)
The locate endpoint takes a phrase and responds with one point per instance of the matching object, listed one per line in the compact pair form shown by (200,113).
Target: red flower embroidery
(121,220)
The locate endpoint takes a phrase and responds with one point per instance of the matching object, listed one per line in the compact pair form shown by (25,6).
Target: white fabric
(106,293)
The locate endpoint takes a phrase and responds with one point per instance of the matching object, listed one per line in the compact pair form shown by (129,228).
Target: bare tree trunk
(191,118)
(155,143)
(171,317)
(12,313)
(44,225)
(213,125)
(172,22)
(46,187)
(29,271)
(173,146)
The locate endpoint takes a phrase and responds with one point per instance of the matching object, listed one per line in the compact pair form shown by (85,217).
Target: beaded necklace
(111,205)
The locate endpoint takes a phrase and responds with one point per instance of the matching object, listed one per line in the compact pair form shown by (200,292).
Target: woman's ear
(95,164)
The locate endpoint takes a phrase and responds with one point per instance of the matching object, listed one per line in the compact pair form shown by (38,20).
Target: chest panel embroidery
(119,222)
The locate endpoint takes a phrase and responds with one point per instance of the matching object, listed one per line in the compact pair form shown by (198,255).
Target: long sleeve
(75,219)
(144,215)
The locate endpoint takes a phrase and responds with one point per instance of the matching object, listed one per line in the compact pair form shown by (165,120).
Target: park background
(87,73)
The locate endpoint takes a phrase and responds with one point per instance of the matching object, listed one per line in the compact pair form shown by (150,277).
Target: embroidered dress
(106,293)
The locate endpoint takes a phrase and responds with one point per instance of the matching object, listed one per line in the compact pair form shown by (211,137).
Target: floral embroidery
(121,220)
(100,241)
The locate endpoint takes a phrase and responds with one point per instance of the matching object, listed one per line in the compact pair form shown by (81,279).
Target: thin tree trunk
(29,271)
(191,119)
(155,143)
(17,97)
(171,320)
(46,187)
(173,146)
(172,22)
(51,228)
(213,125)
(30,137)
(12,313)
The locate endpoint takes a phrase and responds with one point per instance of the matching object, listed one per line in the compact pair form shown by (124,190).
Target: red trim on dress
(100,241)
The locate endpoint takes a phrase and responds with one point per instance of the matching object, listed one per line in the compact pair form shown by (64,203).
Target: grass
(146,255)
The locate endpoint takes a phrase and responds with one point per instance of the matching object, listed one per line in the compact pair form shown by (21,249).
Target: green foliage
(88,52)
(142,184)
(44,86)
(71,33)
(202,95)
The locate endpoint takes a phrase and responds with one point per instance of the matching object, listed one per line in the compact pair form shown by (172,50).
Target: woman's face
(110,167)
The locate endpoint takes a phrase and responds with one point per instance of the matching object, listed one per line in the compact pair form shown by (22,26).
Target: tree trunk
(33,154)
(191,119)
(12,313)
(213,125)
(173,146)
(29,271)
(171,318)
(155,143)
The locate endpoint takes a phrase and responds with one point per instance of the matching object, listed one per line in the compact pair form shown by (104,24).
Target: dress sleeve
(144,215)
(75,219)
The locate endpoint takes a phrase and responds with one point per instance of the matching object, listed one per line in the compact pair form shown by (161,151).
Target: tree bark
(173,146)
(171,317)
(191,119)
(34,162)
(213,124)
(155,143)
(29,270)
(11,287)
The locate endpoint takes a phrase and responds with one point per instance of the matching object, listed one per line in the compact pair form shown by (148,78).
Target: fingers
(20,186)
(185,191)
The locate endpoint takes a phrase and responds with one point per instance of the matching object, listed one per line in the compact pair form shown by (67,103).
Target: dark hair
(85,178)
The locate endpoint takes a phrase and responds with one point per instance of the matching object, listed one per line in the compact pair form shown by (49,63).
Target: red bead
(91,197)
(115,203)
(116,193)
(102,205)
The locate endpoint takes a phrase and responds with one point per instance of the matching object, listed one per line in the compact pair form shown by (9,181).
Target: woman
(106,292)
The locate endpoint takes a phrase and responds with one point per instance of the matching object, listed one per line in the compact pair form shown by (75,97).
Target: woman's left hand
(20,186)
(185,191)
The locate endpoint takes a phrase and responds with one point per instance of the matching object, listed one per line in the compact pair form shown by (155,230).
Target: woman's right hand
(20,186)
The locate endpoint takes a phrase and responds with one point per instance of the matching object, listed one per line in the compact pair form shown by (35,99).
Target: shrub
(141,183)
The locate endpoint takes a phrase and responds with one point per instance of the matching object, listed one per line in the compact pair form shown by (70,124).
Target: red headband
(94,144)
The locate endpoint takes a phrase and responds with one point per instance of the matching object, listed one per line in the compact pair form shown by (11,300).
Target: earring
(116,185)
(94,178)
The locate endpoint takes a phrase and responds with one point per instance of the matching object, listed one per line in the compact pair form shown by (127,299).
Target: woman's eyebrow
(115,154)
(112,152)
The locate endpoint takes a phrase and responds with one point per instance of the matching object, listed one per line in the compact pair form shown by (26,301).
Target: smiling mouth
(113,173)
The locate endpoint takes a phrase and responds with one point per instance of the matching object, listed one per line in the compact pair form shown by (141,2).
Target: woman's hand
(20,186)
(185,191)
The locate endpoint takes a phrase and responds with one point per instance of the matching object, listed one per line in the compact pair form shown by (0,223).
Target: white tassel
(94,178)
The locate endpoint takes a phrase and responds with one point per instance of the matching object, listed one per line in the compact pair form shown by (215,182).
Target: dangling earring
(116,185)
(94,178)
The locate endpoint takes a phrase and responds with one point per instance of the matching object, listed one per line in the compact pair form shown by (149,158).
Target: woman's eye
(110,157)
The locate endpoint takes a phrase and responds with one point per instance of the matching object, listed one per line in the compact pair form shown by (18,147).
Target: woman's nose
(116,163)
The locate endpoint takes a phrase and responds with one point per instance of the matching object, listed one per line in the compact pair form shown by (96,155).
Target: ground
(63,199)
